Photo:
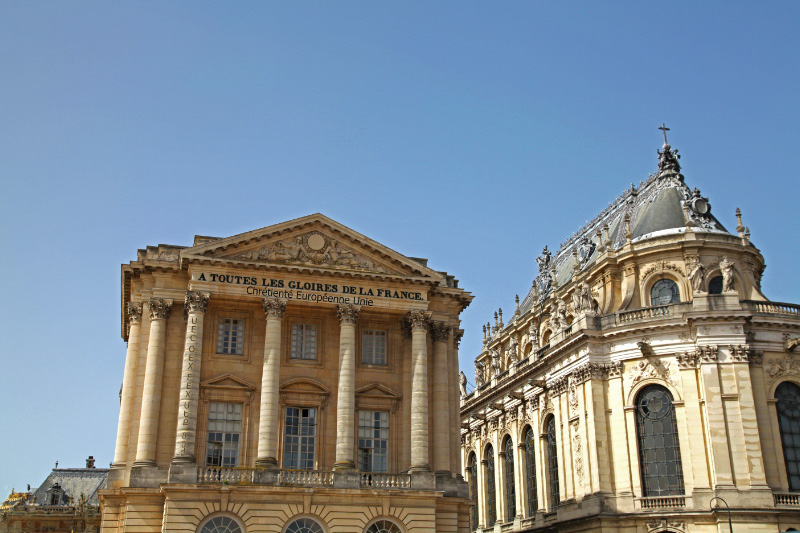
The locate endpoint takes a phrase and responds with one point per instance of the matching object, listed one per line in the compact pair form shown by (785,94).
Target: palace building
(644,384)
(283,380)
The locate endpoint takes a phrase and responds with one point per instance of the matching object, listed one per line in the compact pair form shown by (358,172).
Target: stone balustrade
(385,481)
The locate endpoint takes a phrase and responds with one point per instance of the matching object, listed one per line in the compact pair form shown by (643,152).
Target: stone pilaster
(419,391)
(153,378)
(194,305)
(128,379)
(270,382)
(346,399)
(456,465)
(440,332)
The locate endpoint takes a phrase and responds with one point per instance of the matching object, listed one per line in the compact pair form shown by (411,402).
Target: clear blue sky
(471,133)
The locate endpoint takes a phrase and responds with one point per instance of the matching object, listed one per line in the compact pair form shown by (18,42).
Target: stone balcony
(416,481)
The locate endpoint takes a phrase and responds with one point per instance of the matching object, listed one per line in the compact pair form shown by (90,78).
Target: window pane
(224,428)
(230,336)
(491,502)
(304,341)
(552,462)
(511,492)
(659,448)
(373,347)
(373,441)
(530,472)
(788,406)
(664,291)
(299,440)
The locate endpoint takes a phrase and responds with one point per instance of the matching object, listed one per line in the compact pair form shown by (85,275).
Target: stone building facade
(283,380)
(643,385)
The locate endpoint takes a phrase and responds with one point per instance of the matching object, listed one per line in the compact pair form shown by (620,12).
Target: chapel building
(299,378)
(644,384)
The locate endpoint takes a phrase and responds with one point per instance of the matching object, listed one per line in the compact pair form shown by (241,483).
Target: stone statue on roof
(696,275)
(726,267)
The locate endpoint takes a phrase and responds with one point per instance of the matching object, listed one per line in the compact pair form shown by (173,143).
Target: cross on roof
(664,129)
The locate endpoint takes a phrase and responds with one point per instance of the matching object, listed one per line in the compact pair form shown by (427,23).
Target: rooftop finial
(739,226)
(664,129)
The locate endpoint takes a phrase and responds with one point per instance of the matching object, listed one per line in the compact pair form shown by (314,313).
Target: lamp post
(716,508)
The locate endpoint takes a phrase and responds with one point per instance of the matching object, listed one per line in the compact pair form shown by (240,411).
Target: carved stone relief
(653,368)
(313,248)
(788,365)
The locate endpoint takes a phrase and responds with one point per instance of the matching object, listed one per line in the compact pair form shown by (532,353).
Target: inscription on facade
(333,293)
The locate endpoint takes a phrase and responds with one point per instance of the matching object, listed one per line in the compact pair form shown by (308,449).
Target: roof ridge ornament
(668,158)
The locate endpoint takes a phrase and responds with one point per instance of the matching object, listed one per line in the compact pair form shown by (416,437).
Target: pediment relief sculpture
(313,249)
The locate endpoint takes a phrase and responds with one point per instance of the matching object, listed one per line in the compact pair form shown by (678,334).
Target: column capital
(159,308)
(440,331)
(348,313)
(134,312)
(195,302)
(419,320)
(274,308)
(457,334)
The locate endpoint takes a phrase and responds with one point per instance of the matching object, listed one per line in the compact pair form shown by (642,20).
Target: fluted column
(194,305)
(153,378)
(128,378)
(346,398)
(270,382)
(419,391)
(440,332)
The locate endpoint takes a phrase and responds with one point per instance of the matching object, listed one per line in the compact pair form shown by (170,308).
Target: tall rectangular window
(230,336)
(299,439)
(373,441)
(373,347)
(304,341)
(224,429)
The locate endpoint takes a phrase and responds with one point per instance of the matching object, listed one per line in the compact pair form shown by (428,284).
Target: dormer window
(664,292)
(55,495)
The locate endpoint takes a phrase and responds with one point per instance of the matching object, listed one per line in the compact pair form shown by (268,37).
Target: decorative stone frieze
(739,352)
(661,266)
(273,307)
(577,456)
(708,354)
(615,369)
(687,359)
(572,399)
(650,369)
(159,308)
(777,368)
(348,313)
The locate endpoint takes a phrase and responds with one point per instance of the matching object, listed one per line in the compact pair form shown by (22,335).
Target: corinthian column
(194,305)
(153,377)
(419,391)
(346,399)
(128,378)
(270,381)
(440,332)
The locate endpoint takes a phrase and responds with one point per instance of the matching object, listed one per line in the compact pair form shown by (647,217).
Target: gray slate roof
(74,482)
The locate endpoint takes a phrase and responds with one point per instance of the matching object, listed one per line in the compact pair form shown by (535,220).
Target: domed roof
(662,205)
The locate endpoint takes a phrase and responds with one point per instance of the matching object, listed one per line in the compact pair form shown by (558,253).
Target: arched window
(221,524)
(383,526)
(530,472)
(659,448)
(715,285)
(473,490)
(491,502)
(788,396)
(664,291)
(511,493)
(305,525)
(552,462)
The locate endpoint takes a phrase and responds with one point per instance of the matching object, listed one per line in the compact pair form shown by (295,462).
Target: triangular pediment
(312,242)
(376,390)
(227,381)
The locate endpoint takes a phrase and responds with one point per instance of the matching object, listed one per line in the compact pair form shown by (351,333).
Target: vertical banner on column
(195,306)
